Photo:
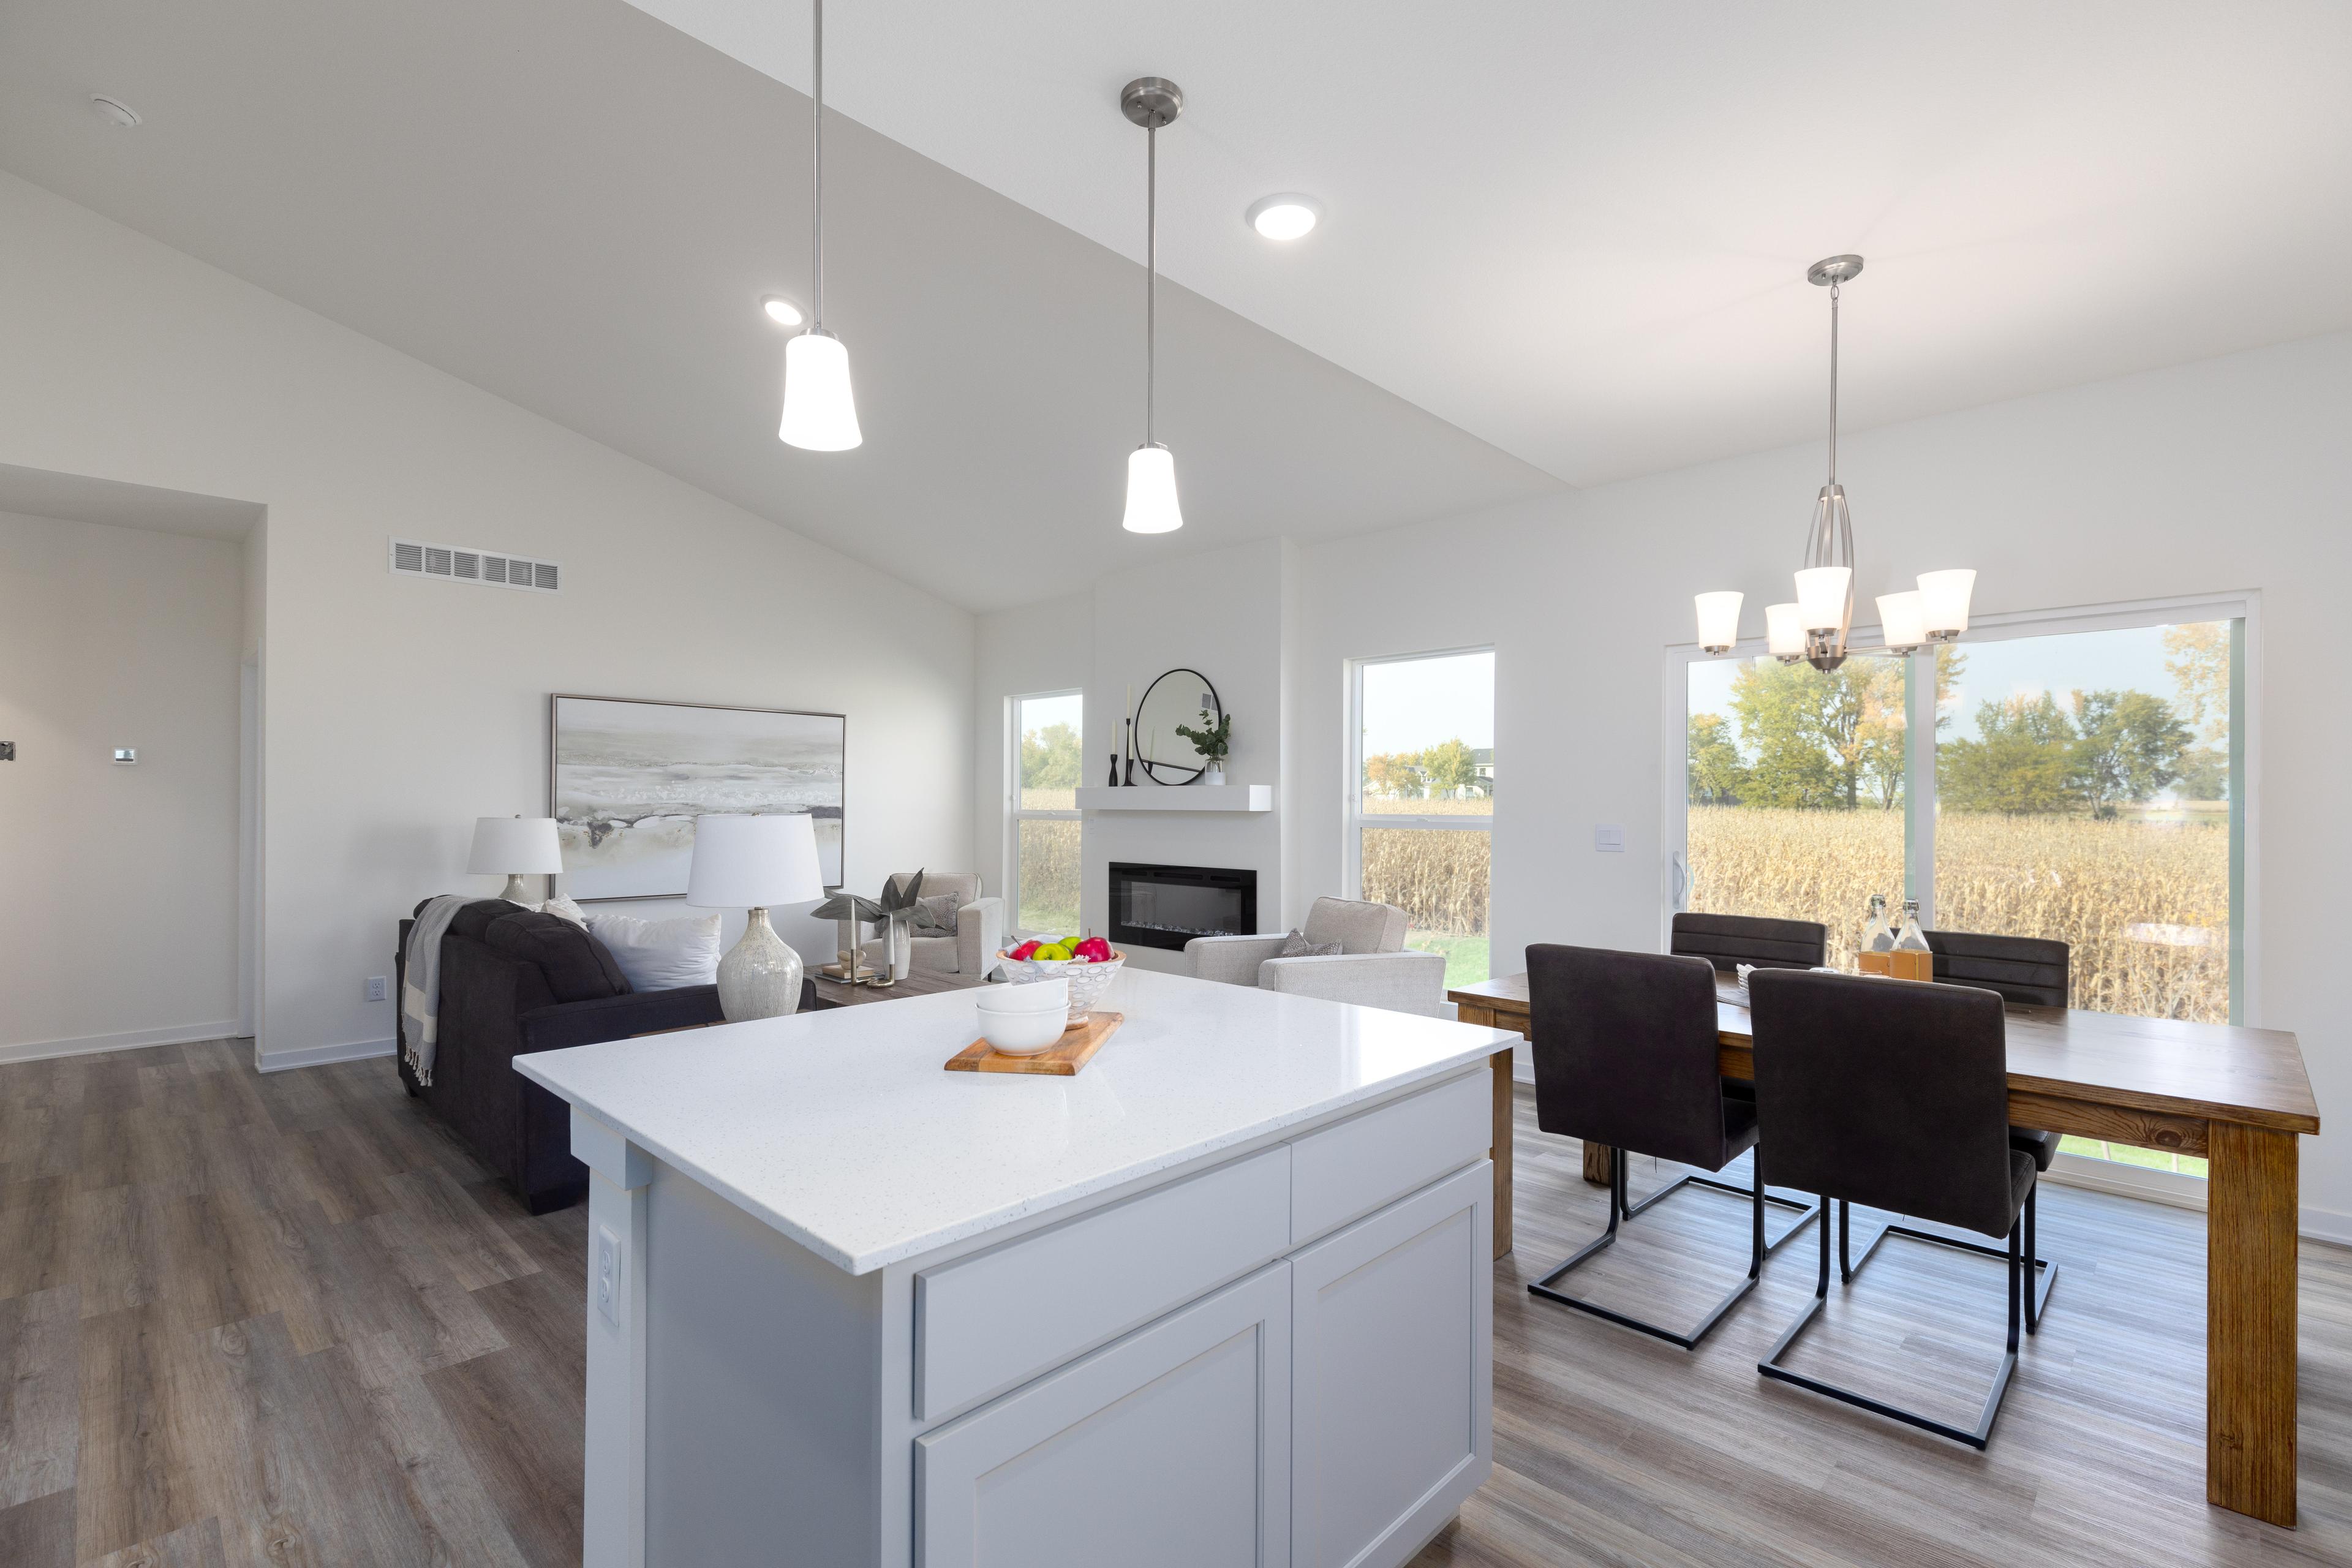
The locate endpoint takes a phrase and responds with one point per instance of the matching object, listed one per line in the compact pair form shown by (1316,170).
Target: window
(1047,762)
(1420,798)
(2078,778)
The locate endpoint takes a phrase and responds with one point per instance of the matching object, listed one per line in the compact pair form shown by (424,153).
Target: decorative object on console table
(1169,703)
(901,908)
(627,778)
(1211,741)
(750,863)
(515,848)
(853,914)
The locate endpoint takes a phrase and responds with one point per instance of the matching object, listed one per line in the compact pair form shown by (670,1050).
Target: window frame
(1015,814)
(1919,796)
(1353,818)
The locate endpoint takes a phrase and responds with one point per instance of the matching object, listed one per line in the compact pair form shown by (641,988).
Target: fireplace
(1166,906)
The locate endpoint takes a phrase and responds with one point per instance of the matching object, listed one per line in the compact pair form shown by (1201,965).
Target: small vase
(760,976)
(901,949)
(1215,773)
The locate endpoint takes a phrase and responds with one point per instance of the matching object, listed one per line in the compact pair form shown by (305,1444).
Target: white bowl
(1021,1034)
(1024,996)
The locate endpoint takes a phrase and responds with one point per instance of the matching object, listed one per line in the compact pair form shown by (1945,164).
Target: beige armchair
(978,933)
(1373,968)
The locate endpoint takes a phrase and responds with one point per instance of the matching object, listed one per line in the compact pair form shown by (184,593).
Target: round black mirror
(1178,697)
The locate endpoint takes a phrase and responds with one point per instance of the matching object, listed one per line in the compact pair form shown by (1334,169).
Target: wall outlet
(1609,839)
(607,1282)
(378,988)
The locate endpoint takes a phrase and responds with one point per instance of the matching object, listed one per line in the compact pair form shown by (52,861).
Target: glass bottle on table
(1910,939)
(1877,935)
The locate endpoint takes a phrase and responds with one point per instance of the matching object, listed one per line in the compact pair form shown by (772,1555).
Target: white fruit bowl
(1086,980)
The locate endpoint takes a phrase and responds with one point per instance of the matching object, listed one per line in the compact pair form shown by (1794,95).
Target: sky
(1414,703)
(2127,660)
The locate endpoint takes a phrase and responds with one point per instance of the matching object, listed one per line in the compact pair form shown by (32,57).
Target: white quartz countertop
(843,1130)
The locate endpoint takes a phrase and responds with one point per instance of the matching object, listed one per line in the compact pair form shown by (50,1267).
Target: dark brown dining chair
(1894,1095)
(1729,940)
(2025,971)
(1625,1048)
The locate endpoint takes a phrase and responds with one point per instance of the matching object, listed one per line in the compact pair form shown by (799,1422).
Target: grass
(2125,1154)
(1465,956)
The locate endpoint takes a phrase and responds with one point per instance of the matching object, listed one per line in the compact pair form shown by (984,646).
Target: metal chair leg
(1619,1205)
(2013,1256)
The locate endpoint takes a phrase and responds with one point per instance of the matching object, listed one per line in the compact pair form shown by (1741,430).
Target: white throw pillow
(661,955)
(565,909)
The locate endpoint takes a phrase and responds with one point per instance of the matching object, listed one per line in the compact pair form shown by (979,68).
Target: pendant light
(1815,629)
(820,411)
(1151,102)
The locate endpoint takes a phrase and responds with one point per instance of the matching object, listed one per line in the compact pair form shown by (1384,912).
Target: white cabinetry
(1392,1376)
(1168,1450)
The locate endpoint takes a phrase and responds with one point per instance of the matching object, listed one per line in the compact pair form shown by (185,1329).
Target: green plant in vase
(1211,741)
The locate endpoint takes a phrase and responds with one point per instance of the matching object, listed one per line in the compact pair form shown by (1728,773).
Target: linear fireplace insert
(1166,906)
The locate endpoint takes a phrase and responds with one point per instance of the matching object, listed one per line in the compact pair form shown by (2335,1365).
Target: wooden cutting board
(1077,1047)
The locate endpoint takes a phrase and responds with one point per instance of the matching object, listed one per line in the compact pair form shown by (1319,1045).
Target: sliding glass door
(2079,778)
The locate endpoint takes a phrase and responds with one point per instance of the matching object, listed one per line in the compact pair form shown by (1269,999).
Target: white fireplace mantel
(1178,798)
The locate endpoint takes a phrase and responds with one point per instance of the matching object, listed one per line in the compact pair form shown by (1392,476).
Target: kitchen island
(1224,1297)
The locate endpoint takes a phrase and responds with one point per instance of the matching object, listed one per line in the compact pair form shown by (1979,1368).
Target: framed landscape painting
(627,778)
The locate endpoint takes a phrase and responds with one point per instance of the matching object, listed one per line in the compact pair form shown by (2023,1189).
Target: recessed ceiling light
(1285,216)
(114,110)
(781,311)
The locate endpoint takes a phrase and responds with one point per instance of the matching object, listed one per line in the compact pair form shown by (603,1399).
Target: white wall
(395,710)
(120,919)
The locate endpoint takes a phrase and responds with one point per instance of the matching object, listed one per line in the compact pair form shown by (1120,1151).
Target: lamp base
(760,976)
(516,893)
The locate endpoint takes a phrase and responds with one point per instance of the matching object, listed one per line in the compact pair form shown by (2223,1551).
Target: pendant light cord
(1150,273)
(1833,359)
(816,94)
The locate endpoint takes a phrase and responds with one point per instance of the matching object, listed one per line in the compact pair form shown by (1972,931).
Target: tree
(1450,768)
(2197,658)
(1715,771)
(1818,735)
(1049,758)
(2023,761)
(1395,776)
(2204,773)
(2129,747)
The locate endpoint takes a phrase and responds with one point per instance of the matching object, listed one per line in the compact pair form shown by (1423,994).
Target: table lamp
(750,863)
(515,848)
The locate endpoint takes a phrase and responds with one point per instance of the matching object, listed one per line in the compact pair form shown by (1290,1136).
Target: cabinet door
(1170,1446)
(1392,1375)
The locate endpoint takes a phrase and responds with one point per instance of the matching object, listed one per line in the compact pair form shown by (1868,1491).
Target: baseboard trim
(2325,1224)
(320,1055)
(129,1040)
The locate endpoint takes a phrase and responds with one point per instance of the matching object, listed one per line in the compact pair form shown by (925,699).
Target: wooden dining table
(2238,1098)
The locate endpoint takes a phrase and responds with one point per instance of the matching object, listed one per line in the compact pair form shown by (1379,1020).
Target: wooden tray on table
(1077,1047)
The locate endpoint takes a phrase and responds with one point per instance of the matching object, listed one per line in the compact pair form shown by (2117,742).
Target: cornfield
(2144,907)
(1437,877)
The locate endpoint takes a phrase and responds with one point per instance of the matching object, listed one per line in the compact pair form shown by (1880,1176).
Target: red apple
(1025,950)
(1095,949)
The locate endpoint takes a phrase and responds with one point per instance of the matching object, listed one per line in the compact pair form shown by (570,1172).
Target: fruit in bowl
(1089,965)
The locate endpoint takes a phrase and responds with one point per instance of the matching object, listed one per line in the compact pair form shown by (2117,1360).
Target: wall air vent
(454,563)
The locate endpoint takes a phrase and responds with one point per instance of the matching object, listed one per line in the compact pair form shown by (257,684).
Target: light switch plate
(606,1283)
(1609,839)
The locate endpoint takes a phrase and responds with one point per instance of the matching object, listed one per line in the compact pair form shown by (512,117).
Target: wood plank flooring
(264,1321)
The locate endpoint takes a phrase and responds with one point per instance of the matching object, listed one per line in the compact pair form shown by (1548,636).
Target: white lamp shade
(515,845)
(1784,632)
(750,862)
(820,413)
(1899,617)
(1151,492)
(1822,596)
(1944,602)
(1718,620)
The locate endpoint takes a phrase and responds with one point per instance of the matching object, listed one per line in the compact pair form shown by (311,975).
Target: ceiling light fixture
(820,410)
(1815,627)
(781,311)
(1151,102)
(113,111)
(1287,216)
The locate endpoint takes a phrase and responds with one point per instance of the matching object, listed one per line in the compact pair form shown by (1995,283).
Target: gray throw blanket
(420,992)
